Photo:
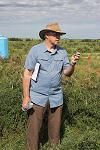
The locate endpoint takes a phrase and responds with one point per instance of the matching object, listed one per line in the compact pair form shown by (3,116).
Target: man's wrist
(26,98)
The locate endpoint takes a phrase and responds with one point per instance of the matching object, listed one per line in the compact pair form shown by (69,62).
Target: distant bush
(87,40)
(15,39)
(83,46)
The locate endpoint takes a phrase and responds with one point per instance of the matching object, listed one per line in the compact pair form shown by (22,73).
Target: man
(46,91)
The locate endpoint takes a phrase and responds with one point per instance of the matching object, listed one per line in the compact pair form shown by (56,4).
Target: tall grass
(80,118)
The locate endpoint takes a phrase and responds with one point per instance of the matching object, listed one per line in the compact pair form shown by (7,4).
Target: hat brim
(42,33)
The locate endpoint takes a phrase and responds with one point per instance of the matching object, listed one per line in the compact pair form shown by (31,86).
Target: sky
(80,19)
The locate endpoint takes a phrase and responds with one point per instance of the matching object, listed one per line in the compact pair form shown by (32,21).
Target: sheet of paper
(36,71)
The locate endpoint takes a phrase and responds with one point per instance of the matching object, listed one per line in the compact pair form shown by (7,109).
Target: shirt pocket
(44,62)
(58,63)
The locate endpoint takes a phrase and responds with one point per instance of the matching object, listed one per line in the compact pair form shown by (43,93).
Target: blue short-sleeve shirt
(48,85)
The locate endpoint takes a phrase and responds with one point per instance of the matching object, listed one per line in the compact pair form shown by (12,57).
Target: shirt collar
(55,51)
(45,49)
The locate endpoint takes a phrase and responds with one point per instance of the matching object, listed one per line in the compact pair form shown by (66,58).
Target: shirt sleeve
(66,62)
(31,58)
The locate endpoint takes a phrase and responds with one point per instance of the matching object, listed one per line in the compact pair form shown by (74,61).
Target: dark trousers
(35,119)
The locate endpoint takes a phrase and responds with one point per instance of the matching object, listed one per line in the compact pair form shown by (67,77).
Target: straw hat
(51,27)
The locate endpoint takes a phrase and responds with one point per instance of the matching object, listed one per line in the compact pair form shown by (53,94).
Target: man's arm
(68,71)
(26,86)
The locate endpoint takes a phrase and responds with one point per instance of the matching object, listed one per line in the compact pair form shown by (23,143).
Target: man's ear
(46,35)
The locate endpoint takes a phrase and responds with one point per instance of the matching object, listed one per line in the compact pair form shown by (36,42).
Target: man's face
(53,37)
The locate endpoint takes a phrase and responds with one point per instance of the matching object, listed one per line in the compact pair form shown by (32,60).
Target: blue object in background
(3,47)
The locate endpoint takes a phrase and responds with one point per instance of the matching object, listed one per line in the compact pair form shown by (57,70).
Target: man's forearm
(69,70)
(26,83)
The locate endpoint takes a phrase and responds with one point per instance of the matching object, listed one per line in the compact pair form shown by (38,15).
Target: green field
(81,112)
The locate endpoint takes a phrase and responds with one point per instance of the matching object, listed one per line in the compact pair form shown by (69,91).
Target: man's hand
(25,102)
(75,58)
